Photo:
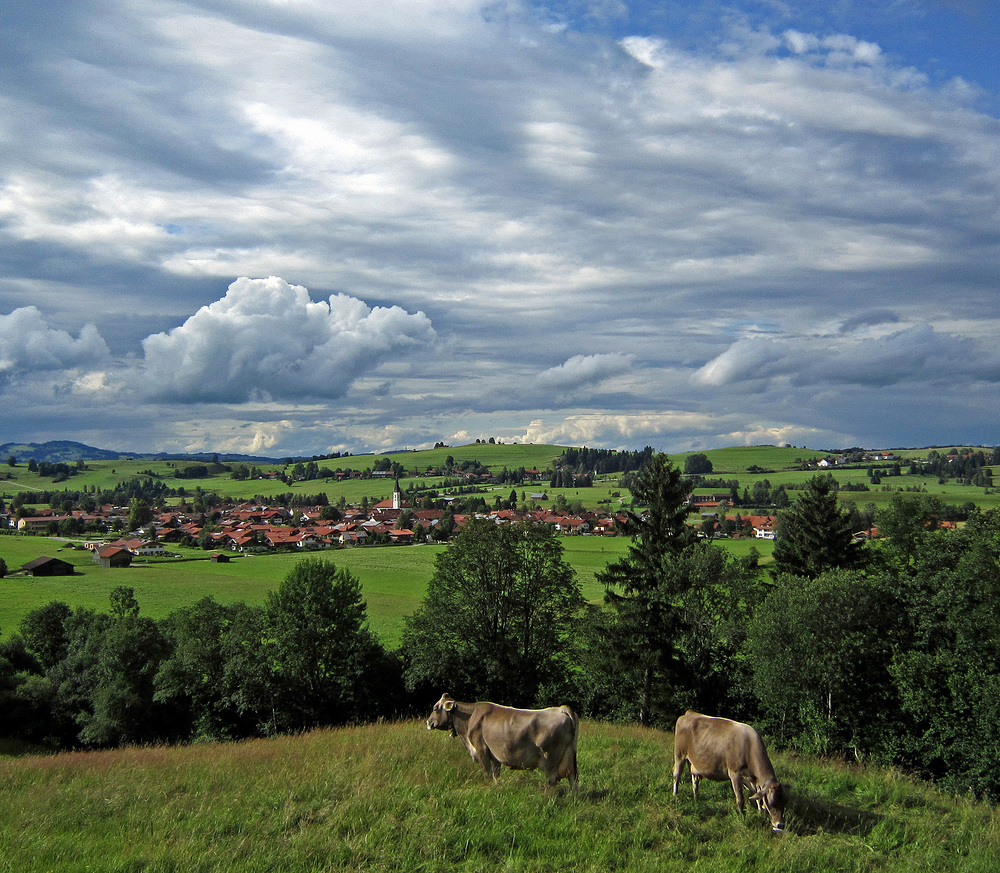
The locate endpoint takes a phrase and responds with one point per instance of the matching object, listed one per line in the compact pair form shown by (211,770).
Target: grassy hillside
(394,797)
(779,462)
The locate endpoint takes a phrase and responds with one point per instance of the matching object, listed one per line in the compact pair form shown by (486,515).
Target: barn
(113,556)
(46,566)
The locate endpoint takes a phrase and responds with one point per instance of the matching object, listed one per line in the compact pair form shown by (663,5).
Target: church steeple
(397,496)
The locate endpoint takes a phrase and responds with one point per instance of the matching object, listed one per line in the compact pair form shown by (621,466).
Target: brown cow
(523,739)
(717,748)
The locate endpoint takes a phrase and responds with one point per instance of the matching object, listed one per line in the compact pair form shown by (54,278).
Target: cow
(718,748)
(521,739)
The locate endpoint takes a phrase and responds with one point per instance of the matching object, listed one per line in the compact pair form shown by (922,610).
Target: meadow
(394,797)
(393,578)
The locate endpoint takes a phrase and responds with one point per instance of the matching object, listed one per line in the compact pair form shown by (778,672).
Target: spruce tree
(814,533)
(640,587)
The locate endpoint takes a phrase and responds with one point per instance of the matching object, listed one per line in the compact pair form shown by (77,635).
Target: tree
(814,534)
(947,673)
(498,616)
(904,523)
(192,678)
(819,651)
(321,646)
(702,607)
(139,513)
(638,587)
(44,633)
(698,464)
(105,682)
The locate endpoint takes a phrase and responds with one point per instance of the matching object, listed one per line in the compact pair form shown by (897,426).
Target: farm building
(45,566)
(113,556)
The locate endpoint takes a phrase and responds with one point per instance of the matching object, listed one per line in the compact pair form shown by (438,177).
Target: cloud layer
(619,224)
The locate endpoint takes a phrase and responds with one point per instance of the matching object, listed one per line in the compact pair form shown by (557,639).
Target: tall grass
(395,797)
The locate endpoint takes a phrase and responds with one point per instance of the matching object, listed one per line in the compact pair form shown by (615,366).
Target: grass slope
(393,797)
(728,463)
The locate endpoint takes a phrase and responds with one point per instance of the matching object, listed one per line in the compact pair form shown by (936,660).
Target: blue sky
(294,227)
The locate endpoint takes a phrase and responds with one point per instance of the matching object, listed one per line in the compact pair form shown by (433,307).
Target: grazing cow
(523,739)
(717,748)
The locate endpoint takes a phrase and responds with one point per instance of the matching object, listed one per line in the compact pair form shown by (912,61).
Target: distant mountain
(67,451)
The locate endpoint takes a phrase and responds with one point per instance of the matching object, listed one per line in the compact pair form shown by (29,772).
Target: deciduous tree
(497,618)
(321,646)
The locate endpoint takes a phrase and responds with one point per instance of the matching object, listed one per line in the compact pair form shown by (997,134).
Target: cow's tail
(573,773)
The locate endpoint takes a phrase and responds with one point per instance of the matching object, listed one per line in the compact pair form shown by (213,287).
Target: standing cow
(522,739)
(717,748)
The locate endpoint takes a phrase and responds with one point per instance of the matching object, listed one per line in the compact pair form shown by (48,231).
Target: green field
(393,578)
(394,797)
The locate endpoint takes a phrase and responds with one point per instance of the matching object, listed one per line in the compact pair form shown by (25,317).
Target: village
(242,528)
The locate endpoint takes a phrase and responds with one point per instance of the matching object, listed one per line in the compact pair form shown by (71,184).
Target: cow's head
(773,796)
(441,715)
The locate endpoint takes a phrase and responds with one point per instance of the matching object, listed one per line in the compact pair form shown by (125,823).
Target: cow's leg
(737,781)
(565,768)
(695,781)
(489,761)
(678,769)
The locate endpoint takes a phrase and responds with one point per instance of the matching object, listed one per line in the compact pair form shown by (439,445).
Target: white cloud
(584,371)
(748,359)
(544,195)
(840,48)
(28,346)
(268,339)
(914,353)
(598,428)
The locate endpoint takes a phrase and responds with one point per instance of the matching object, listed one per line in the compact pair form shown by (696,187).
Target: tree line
(885,651)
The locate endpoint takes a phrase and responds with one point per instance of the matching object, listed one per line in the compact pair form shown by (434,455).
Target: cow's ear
(449,705)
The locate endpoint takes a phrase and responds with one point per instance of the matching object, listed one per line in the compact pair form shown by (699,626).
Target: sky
(295,227)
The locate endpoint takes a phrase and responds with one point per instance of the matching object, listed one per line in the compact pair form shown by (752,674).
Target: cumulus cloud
(838,48)
(600,428)
(267,339)
(28,346)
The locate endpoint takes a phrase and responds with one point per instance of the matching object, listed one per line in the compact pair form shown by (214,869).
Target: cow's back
(527,738)
(718,747)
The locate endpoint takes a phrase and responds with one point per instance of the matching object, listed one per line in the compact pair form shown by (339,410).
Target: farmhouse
(39,523)
(45,566)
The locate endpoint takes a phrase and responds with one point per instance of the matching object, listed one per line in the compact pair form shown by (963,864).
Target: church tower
(397,496)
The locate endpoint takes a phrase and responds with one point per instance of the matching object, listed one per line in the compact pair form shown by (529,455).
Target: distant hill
(67,451)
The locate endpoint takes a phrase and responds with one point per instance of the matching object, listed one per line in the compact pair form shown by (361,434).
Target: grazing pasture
(393,578)
(394,797)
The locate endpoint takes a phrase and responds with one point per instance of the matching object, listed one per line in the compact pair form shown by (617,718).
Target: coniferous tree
(814,533)
(639,587)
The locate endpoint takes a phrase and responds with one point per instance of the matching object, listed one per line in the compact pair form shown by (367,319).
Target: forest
(884,650)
